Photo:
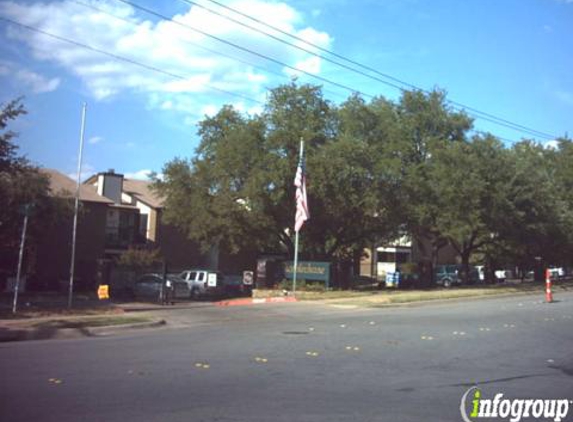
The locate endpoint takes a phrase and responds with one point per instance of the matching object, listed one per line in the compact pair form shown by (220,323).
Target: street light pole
(20,258)
(77,205)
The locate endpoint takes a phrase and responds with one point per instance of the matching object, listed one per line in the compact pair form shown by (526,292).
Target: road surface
(298,362)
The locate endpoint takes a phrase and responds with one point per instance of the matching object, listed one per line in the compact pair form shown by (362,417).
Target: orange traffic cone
(548,294)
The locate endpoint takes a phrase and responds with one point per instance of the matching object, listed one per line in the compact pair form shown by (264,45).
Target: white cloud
(33,81)
(37,82)
(139,175)
(162,45)
(554,144)
(95,140)
(88,170)
(210,110)
(308,65)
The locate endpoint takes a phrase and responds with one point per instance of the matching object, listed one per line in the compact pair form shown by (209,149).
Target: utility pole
(77,205)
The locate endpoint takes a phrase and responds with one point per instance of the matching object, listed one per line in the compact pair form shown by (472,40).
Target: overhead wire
(475,112)
(246,50)
(124,59)
(197,45)
(493,119)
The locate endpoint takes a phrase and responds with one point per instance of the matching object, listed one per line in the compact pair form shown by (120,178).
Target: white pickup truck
(203,283)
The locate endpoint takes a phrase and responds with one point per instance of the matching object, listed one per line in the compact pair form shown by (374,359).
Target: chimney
(110,185)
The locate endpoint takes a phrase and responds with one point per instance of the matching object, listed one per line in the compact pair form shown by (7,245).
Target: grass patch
(385,297)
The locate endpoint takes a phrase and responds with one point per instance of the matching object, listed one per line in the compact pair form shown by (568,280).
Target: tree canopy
(21,185)
(376,170)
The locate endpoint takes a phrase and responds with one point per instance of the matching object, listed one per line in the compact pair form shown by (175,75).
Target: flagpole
(295,265)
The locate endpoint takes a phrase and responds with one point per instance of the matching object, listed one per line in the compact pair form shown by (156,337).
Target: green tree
(21,184)
(469,182)
(539,224)
(426,124)
(238,192)
(140,258)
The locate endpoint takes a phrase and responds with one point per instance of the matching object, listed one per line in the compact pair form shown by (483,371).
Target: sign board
(393,279)
(309,270)
(11,284)
(248,277)
(212,280)
(103,292)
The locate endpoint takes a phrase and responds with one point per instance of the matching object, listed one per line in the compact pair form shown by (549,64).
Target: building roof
(64,187)
(141,190)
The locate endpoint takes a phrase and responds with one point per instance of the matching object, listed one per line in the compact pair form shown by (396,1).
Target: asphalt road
(298,362)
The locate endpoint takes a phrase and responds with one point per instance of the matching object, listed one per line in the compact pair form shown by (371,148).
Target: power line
(219,53)
(123,59)
(476,113)
(238,22)
(171,74)
(481,115)
(247,50)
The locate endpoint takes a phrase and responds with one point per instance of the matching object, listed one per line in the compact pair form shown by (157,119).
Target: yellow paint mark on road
(261,360)
(201,365)
(312,354)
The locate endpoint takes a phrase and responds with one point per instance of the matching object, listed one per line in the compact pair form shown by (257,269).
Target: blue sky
(509,58)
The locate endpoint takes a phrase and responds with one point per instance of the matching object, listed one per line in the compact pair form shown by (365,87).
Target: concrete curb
(256,301)
(114,329)
(441,301)
(23,334)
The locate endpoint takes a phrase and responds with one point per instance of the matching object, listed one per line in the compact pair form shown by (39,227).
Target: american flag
(302,213)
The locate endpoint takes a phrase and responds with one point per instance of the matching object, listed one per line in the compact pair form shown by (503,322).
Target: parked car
(234,285)
(556,273)
(501,275)
(203,283)
(150,286)
(447,275)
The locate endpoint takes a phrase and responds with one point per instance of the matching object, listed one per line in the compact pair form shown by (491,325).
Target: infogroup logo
(474,407)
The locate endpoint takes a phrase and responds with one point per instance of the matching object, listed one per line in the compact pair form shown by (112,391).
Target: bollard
(548,294)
